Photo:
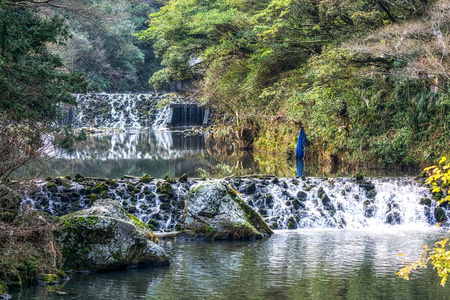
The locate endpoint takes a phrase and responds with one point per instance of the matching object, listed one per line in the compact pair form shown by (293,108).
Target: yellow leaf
(436,190)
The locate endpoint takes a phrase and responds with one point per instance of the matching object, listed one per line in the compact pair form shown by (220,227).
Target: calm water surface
(303,264)
(174,153)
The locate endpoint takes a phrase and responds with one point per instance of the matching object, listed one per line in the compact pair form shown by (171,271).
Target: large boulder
(216,211)
(105,237)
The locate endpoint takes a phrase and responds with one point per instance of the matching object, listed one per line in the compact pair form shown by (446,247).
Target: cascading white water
(284,203)
(341,202)
(163,116)
(130,111)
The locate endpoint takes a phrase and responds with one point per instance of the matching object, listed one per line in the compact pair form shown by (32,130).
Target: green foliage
(309,62)
(210,232)
(28,249)
(104,47)
(31,82)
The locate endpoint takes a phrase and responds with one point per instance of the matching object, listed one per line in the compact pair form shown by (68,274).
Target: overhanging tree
(32,86)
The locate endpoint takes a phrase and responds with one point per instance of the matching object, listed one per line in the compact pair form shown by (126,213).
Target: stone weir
(284,203)
(135,111)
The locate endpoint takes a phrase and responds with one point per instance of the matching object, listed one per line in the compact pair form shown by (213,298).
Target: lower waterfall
(284,203)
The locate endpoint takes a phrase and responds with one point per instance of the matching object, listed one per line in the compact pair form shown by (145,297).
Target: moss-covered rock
(216,206)
(425,201)
(60,180)
(146,178)
(92,199)
(302,196)
(297,204)
(439,214)
(369,208)
(291,224)
(112,183)
(168,178)
(105,237)
(183,178)
(326,201)
(51,187)
(100,187)
(358,177)
(79,178)
(165,188)
(48,279)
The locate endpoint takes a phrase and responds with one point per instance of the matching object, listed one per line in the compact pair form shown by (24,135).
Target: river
(300,264)
(315,262)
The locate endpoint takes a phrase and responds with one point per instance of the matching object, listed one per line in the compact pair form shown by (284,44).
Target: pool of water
(175,153)
(300,264)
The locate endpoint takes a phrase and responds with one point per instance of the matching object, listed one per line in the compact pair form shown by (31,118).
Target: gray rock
(439,214)
(216,211)
(302,196)
(105,237)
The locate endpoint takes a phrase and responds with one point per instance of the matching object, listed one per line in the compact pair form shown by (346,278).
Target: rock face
(105,237)
(215,210)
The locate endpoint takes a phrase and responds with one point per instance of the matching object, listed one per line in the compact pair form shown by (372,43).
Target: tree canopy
(33,86)
(360,76)
(31,83)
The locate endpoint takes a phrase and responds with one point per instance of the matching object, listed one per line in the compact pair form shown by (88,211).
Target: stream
(345,237)
(299,264)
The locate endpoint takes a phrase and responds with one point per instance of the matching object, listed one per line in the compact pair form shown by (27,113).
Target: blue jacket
(301,144)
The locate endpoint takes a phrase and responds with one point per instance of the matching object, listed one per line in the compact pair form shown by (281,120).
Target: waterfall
(163,117)
(114,110)
(134,111)
(285,203)
(339,202)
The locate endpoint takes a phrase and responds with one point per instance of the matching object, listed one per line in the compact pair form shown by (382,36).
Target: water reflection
(160,144)
(300,167)
(129,153)
(175,153)
(306,264)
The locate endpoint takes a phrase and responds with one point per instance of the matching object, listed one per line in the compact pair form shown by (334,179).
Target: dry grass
(28,248)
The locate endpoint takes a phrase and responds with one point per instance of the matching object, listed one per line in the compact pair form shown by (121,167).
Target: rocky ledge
(105,237)
(216,211)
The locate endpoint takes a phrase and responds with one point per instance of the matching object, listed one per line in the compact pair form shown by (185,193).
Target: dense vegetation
(366,79)
(102,44)
(33,90)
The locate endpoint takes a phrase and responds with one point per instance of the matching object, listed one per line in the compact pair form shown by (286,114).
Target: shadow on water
(174,153)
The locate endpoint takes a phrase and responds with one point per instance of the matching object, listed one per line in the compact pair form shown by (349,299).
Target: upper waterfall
(131,111)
